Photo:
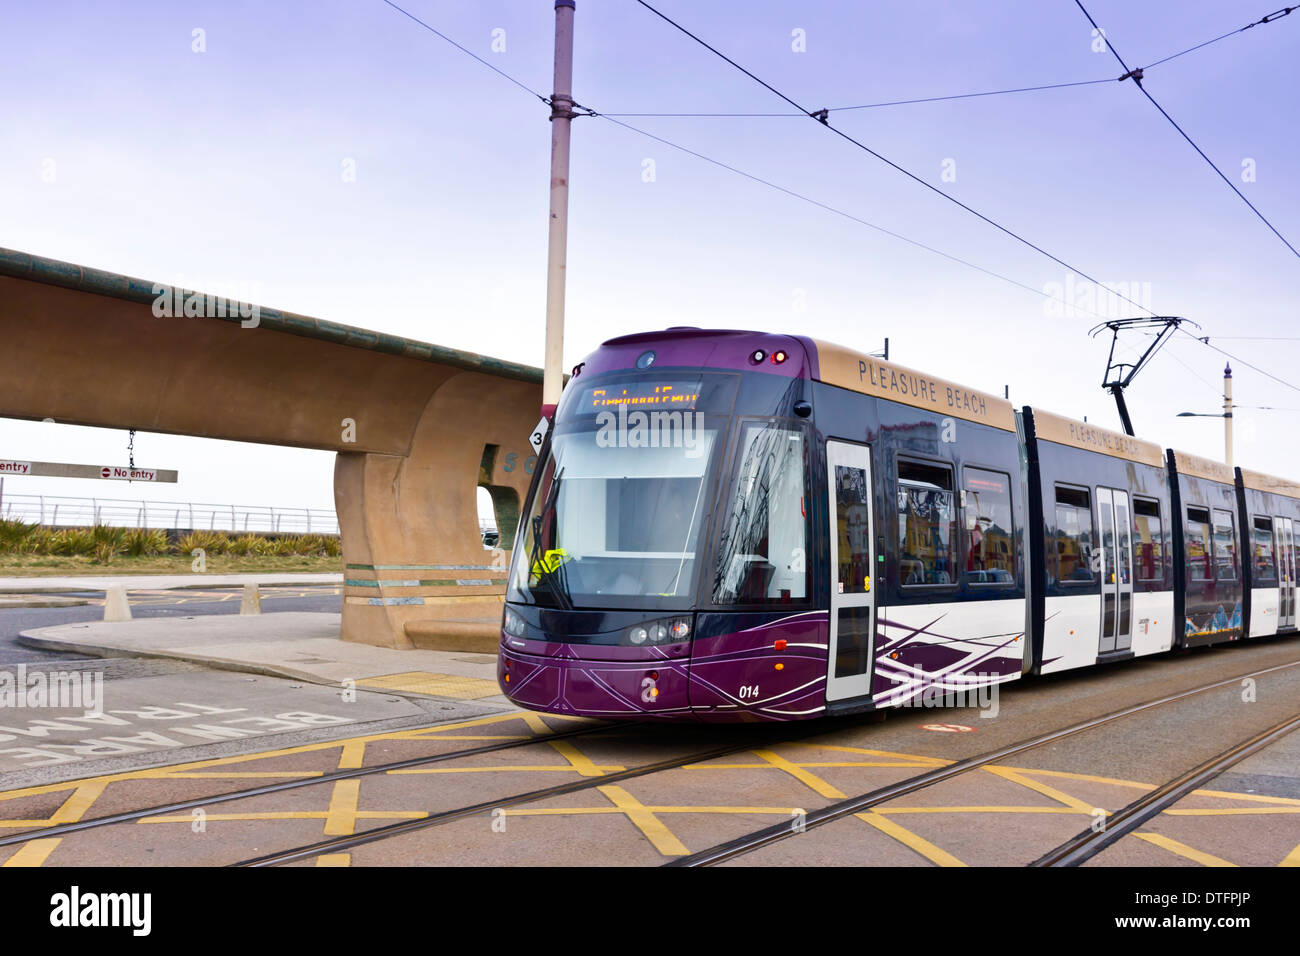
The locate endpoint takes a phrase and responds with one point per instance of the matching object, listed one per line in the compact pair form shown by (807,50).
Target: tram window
(927,525)
(1147,540)
(1199,550)
(763,547)
(1225,545)
(990,538)
(1263,563)
(1073,536)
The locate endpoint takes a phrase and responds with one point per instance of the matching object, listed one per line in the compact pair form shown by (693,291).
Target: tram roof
(1076,434)
(1198,467)
(1258,481)
(859,372)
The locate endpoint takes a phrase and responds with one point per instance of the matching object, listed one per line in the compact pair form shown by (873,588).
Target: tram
(742,526)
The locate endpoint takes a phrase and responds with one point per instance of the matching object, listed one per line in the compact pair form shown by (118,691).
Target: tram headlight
(513,624)
(665,631)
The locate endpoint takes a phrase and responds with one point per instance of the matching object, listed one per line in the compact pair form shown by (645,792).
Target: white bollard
(251,602)
(116,605)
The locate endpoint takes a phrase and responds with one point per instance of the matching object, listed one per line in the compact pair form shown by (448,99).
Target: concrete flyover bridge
(417,427)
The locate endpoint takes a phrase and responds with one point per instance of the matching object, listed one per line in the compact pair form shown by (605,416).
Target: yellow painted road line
(1232,811)
(292,815)
(580,761)
(928,761)
(910,840)
(352,754)
(342,818)
(891,811)
(644,819)
(78,802)
(530,768)
(34,853)
(812,781)
(424,733)
(563,811)
(1292,858)
(334,859)
(238,774)
(800,763)
(1051,793)
(1183,850)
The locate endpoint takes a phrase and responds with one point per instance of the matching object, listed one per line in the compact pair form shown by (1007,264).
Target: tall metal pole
(1227,415)
(561,120)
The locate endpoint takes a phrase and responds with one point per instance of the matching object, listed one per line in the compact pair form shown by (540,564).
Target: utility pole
(1227,415)
(561,120)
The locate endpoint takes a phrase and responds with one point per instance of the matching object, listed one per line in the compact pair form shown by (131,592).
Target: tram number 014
(748,692)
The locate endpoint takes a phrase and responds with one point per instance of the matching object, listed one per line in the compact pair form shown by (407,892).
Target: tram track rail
(1088,844)
(767,836)
(333,776)
(343,844)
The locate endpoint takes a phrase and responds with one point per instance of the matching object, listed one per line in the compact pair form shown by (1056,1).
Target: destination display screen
(642,393)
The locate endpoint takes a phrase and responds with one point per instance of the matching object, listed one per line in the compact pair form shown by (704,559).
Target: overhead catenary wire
(583,110)
(910,175)
(1270,18)
(1204,340)
(1136,75)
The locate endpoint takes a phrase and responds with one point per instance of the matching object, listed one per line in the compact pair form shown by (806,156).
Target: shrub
(212,542)
(142,541)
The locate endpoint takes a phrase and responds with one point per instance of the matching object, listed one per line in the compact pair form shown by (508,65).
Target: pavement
(149,582)
(298,645)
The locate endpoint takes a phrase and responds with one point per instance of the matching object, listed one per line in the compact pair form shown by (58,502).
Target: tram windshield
(616,516)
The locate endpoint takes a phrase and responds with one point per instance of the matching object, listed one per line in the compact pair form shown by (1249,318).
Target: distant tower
(1227,415)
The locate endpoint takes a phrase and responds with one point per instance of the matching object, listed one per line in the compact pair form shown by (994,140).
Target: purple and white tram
(740,526)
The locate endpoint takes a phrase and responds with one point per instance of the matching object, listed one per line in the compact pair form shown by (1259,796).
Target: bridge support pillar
(416,573)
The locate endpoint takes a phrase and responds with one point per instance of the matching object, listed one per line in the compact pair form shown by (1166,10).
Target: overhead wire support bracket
(1120,374)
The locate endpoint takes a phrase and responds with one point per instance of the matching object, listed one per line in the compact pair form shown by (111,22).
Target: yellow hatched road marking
(1051,793)
(643,817)
(34,853)
(79,801)
(909,839)
(891,811)
(1231,811)
(531,768)
(564,811)
(162,773)
(353,754)
(342,819)
(812,781)
(928,761)
(1292,858)
(1183,850)
(800,763)
(334,859)
(580,761)
(294,815)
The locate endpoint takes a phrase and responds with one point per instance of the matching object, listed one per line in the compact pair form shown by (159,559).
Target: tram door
(852,604)
(1285,549)
(1117,570)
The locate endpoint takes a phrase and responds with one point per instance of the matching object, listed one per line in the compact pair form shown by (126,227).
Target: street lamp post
(1226,415)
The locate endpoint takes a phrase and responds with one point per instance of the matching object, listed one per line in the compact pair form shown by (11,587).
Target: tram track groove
(1086,845)
(127,816)
(775,833)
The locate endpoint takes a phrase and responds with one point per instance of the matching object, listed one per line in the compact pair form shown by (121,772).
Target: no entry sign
(57,469)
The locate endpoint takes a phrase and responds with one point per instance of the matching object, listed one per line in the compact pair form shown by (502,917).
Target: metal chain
(130,450)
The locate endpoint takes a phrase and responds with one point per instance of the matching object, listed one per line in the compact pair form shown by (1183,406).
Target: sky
(337,159)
